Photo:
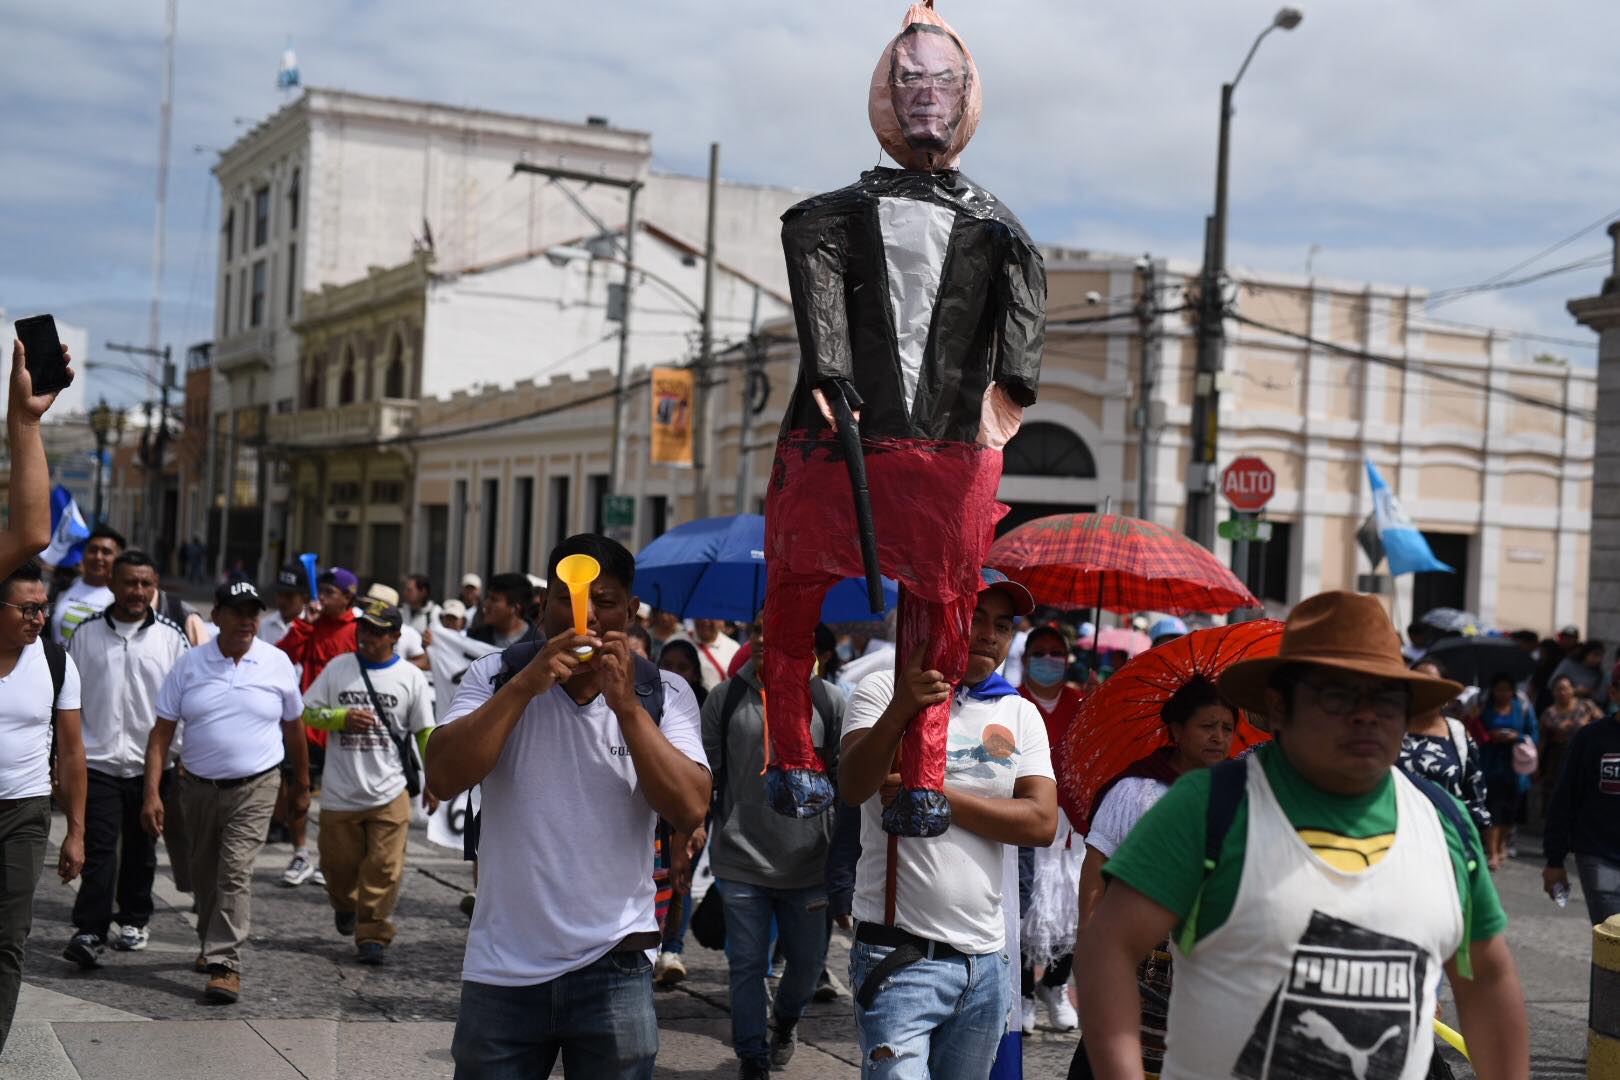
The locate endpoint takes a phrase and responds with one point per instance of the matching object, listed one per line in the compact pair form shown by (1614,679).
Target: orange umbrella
(1119,722)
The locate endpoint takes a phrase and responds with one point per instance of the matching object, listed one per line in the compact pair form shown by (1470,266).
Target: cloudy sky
(1411,141)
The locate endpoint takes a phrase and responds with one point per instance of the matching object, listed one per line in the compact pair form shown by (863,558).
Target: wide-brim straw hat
(1343,631)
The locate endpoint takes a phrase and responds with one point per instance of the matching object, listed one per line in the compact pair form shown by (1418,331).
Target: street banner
(68,530)
(1404,546)
(672,416)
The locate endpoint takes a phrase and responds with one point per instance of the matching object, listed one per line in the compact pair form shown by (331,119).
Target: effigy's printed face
(930,88)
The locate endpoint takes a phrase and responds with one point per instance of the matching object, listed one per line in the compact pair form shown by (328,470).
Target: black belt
(908,949)
(234,782)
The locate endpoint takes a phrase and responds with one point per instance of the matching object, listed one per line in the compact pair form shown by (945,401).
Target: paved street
(308,1011)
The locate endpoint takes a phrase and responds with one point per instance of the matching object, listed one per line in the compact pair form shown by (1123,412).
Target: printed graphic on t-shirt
(992,756)
(1348,1010)
(1348,854)
(1609,774)
(372,738)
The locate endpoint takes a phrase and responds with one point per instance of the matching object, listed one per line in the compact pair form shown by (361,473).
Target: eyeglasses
(30,611)
(949,82)
(1338,699)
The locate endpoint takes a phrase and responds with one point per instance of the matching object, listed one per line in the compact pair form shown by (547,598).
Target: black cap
(290,578)
(238,594)
(383,617)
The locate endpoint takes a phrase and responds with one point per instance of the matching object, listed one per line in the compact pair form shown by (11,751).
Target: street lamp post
(101,424)
(1211,316)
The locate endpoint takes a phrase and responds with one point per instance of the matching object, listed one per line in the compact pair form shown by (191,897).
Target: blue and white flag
(1404,546)
(68,530)
(287,76)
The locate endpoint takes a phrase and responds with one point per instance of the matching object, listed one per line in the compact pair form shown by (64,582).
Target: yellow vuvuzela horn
(577,572)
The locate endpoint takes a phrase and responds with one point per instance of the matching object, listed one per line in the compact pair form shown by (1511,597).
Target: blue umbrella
(714,568)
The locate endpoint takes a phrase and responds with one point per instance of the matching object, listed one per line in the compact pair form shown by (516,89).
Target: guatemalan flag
(1408,552)
(68,530)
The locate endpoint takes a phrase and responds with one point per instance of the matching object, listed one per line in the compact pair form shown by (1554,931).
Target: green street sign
(1237,529)
(618,511)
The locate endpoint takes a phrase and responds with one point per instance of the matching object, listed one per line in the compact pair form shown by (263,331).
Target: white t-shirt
(74,605)
(565,856)
(25,722)
(1121,809)
(714,658)
(949,887)
(410,643)
(450,655)
(272,627)
(231,713)
(363,770)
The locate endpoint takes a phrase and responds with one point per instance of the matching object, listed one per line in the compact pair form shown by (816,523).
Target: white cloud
(1417,142)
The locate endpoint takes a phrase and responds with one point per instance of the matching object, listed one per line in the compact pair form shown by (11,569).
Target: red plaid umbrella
(1117,563)
(1119,722)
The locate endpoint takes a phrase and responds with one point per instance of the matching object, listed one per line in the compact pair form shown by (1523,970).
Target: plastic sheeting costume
(920,303)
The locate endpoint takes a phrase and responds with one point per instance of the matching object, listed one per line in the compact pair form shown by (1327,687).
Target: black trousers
(120,859)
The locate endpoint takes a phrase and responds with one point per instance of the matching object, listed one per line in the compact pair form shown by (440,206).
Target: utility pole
(1147,315)
(705,373)
(150,527)
(631,186)
(1212,317)
(751,371)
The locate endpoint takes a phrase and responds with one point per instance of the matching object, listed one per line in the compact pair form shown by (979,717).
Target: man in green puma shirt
(1311,941)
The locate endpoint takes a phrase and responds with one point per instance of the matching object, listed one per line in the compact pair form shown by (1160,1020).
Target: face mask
(1046,670)
(846,651)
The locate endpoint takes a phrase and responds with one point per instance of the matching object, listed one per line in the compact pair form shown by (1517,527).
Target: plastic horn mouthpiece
(577,572)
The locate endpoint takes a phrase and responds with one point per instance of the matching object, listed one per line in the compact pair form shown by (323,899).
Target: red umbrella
(1122,638)
(1119,720)
(1118,563)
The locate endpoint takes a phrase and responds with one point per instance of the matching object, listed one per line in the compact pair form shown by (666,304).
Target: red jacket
(316,644)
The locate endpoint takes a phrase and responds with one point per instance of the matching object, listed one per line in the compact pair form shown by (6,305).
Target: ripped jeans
(933,1020)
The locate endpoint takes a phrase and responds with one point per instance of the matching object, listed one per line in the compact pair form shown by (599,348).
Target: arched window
(394,379)
(1046,449)
(346,379)
(314,382)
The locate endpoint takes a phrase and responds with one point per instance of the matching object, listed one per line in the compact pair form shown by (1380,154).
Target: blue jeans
(1600,885)
(749,909)
(599,1018)
(676,942)
(934,1020)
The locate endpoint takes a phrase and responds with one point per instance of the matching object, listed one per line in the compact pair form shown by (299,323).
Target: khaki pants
(363,858)
(227,827)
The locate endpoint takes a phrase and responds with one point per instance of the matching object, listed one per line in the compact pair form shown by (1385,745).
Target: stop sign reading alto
(1248,484)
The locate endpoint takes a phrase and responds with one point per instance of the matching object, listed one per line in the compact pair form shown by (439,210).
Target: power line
(1544,252)
(1420,368)
(1446,296)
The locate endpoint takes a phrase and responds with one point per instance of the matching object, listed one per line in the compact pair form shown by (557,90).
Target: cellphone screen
(44,351)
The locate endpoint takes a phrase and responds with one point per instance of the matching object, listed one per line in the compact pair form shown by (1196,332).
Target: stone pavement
(308,1011)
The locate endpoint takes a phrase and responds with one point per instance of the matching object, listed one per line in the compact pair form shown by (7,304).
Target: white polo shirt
(231,713)
(25,722)
(122,666)
(565,856)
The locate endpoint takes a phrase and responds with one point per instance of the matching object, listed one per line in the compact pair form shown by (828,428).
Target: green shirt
(1163,857)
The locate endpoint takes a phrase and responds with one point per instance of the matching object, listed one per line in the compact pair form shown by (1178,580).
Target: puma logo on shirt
(1313,1025)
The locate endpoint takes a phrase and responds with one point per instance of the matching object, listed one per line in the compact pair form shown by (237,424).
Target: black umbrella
(1475,661)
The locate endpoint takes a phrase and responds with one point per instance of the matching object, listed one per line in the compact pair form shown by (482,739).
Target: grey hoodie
(750,842)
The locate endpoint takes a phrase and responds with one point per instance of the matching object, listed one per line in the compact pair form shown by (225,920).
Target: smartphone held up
(42,348)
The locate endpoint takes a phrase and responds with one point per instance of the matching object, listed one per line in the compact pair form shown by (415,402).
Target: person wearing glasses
(1313,893)
(35,703)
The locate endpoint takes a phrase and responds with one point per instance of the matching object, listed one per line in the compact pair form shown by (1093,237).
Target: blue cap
(1023,603)
(1167,625)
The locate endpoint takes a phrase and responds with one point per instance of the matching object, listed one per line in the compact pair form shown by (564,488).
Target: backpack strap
(56,662)
(1227,786)
(1450,811)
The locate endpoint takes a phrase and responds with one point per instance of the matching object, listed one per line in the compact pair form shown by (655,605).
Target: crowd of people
(1290,912)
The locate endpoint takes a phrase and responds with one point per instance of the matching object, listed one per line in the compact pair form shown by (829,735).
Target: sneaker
(754,1069)
(318,878)
(669,969)
(828,988)
(1059,1012)
(298,871)
(369,952)
(131,938)
(784,1040)
(84,950)
(224,986)
(344,921)
(1028,1014)
(467,903)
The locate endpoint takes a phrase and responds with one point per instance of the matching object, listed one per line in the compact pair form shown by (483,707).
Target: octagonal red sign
(1248,484)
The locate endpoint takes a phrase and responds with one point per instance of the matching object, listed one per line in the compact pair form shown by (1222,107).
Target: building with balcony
(335,183)
(372,349)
